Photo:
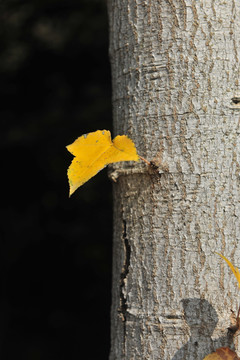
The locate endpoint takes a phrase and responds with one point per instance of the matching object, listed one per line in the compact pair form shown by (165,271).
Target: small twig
(115,174)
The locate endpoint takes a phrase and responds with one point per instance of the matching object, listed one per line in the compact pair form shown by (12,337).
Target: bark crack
(123,276)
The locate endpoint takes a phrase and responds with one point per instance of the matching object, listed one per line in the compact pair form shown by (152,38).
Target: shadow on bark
(202,319)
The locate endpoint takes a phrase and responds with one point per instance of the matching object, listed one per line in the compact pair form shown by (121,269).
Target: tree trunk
(175,73)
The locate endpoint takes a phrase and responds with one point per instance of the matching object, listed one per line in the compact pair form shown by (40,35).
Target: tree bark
(175,75)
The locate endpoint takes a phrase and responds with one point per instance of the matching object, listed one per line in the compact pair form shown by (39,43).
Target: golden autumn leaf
(93,151)
(233,268)
(223,353)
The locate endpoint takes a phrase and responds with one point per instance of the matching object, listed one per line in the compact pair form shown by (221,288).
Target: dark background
(55,251)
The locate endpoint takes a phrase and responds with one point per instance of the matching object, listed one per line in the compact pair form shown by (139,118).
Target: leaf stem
(146,161)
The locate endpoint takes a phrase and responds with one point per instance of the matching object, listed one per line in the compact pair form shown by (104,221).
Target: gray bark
(175,74)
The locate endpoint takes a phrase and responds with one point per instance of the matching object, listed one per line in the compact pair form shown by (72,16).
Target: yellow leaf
(223,353)
(233,268)
(93,152)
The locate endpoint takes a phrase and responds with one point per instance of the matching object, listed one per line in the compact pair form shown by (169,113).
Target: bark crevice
(125,270)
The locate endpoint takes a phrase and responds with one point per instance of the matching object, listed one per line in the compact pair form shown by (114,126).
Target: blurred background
(55,251)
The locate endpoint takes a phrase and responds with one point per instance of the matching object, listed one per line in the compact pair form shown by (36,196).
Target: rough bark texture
(175,70)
